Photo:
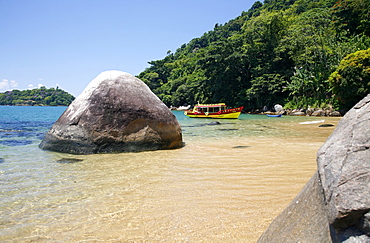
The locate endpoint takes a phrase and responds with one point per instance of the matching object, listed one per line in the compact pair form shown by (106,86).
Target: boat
(273,115)
(183,108)
(214,111)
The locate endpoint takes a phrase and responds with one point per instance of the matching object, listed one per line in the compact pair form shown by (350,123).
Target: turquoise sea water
(40,191)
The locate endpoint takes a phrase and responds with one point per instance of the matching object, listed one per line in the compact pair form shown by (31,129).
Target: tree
(265,90)
(308,43)
(351,80)
(353,16)
(280,51)
(42,96)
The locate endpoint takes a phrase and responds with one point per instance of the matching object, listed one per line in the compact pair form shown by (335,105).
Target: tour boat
(213,111)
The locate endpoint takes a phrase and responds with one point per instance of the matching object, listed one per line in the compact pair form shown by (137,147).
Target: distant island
(36,97)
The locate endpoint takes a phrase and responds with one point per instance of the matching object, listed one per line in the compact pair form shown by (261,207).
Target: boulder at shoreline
(116,112)
(334,206)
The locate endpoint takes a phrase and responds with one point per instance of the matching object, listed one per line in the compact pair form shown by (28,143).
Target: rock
(364,223)
(241,147)
(336,201)
(344,167)
(335,113)
(304,220)
(326,125)
(309,111)
(68,160)
(214,123)
(115,113)
(319,113)
(279,108)
(298,113)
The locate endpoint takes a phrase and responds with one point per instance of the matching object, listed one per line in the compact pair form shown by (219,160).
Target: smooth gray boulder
(116,112)
(304,220)
(344,168)
(334,206)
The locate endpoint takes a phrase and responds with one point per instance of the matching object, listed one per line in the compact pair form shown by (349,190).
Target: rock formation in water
(334,206)
(116,112)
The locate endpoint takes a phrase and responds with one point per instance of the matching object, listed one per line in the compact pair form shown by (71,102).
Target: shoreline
(302,112)
(228,186)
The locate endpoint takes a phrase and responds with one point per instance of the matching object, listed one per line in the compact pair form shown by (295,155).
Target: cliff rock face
(115,113)
(334,206)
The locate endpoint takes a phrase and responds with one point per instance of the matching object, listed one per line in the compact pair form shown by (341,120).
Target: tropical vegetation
(280,51)
(41,96)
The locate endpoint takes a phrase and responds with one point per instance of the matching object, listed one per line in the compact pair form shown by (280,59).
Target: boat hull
(273,115)
(234,115)
(225,114)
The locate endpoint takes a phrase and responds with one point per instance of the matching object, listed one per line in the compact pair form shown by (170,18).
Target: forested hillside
(279,51)
(41,96)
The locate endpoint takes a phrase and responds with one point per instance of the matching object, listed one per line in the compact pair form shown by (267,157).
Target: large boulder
(334,206)
(344,168)
(304,220)
(116,112)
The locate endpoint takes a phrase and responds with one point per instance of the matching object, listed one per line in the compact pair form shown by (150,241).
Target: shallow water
(225,185)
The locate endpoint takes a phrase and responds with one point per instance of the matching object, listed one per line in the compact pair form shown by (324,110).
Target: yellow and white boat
(214,111)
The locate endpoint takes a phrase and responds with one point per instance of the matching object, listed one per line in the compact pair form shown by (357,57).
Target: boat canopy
(211,108)
(218,110)
(210,105)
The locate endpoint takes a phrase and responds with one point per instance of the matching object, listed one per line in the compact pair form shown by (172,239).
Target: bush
(351,80)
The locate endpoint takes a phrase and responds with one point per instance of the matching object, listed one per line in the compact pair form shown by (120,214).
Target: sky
(67,43)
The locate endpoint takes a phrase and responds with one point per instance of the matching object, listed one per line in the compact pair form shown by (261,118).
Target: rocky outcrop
(304,220)
(300,112)
(115,113)
(344,168)
(334,206)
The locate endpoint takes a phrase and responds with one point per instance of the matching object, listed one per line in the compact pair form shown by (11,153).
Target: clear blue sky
(69,42)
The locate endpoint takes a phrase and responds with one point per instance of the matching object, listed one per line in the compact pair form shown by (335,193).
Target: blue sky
(67,43)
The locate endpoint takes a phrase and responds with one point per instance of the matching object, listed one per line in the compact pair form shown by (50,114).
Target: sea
(226,184)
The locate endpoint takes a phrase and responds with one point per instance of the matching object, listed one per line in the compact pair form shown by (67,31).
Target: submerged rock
(213,123)
(326,125)
(69,160)
(334,206)
(241,147)
(116,112)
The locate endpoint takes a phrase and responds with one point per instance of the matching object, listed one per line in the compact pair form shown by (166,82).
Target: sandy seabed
(212,190)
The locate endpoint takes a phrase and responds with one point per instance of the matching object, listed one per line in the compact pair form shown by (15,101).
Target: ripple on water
(222,187)
(14,142)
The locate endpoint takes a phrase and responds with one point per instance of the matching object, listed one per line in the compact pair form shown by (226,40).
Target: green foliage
(41,96)
(353,16)
(268,87)
(279,51)
(351,80)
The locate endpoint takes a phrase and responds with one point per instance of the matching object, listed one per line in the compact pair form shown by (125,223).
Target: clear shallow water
(226,184)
